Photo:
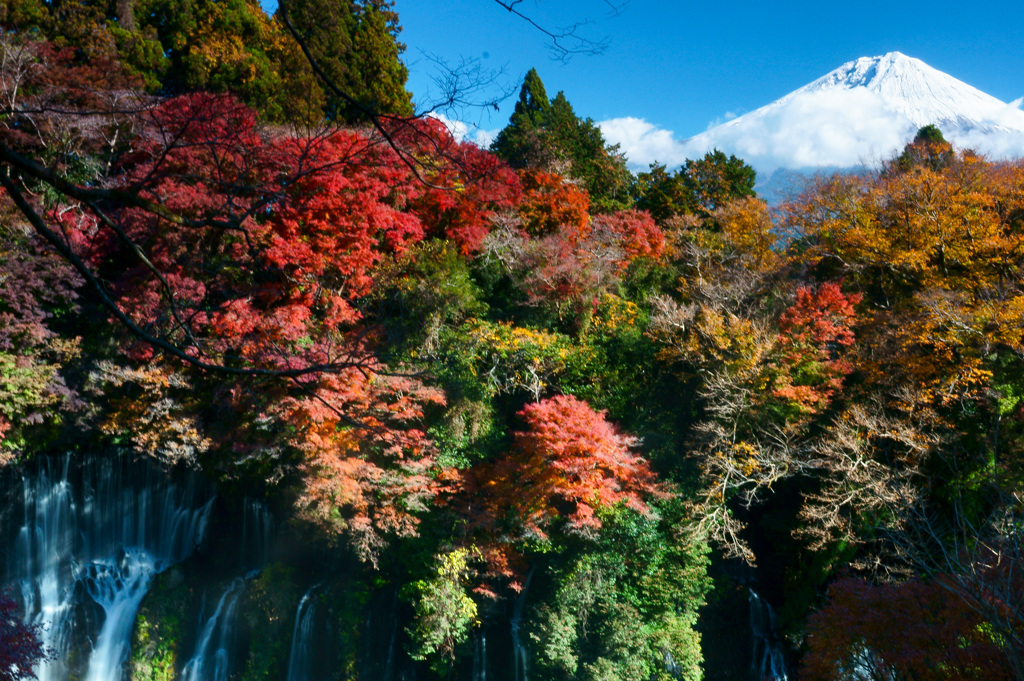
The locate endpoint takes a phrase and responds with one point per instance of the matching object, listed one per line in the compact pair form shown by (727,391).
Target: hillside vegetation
(517,380)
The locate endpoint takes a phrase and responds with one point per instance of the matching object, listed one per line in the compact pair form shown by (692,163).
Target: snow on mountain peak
(911,87)
(862,112)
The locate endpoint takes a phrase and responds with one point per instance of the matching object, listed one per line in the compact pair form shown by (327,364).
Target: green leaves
(444,610)
(548,136)
(627,608)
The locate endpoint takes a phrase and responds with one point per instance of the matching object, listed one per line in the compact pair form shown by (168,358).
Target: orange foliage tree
(550,202)
(565,466)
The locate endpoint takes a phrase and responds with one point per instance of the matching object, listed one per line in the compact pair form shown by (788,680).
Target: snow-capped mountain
(865,111)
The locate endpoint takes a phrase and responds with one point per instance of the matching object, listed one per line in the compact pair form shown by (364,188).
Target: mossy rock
(160,627)
(269,615)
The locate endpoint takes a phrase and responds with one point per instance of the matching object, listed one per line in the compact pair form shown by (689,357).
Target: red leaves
(467,187)
(249,245)
(634,231)
(20,647)
(811,333)
(570,266)
(912,630)
(820,317)
(568,463)
(342,213)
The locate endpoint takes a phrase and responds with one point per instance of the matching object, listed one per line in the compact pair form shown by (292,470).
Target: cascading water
(257,526)
(300,659)
(520,656)
(118,589)
(210,660)
(480,657)
(768,660)
(96,528)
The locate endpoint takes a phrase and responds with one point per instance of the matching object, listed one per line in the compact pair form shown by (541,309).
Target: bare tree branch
(566,41)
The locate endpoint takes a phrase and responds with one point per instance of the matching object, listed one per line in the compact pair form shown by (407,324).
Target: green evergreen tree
(179,46)
(378,74)
(699,187)
(661,193)
(550,136)
(327,28)
(519,143)
(218,46)
(580,147)
(930,133)
(355,43)
(715,179)
(928,149)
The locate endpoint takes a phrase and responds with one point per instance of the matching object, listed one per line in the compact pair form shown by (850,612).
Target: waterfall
(257,526)
(118,589)
(210,660)
(480,657)
(96,528)
(300,660)
(389,666)
(520,656)
(767,659)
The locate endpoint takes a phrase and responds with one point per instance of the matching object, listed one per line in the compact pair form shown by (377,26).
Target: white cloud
(994,144)
(831,128)
(818,129)
(841,128)
(643,142)
(825,128)
(1006,141)
(463,131)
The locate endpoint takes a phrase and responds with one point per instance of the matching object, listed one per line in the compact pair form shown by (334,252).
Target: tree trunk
(125,15)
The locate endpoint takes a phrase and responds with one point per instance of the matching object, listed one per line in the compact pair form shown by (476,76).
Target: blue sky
(683,65)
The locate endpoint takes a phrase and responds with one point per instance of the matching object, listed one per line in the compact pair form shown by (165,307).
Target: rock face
(87,534)
(865,111)
(141,574)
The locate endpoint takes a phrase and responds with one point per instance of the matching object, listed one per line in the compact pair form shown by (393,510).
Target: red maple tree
(20,647)
(913,630)
(568,463)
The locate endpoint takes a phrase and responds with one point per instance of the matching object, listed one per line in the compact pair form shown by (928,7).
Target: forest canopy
(227,244)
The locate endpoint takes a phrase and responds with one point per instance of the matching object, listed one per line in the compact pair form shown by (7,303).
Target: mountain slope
(865,111)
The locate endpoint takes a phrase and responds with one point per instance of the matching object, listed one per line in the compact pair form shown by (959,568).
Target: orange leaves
(747,226)
(552,202)
(367,468)
(934,241)
(946,227)
(567,464)
(156,409)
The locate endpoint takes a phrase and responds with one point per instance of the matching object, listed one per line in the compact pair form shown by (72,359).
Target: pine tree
(715,179)
(929,149)
(519,143)
(356,45)
(379,75)
(700,187)
(549,136)
(327,28)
